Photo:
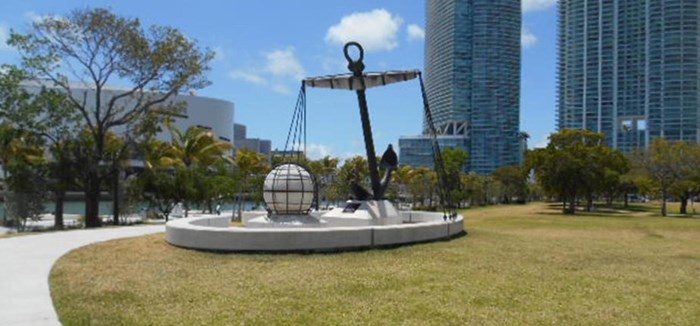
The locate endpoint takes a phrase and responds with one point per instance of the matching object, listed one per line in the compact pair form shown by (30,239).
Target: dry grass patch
(519,265)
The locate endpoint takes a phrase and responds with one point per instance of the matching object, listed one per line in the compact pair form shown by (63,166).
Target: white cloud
(376,30)
(281,88)
(248,76)
(35,18)
(415,33)
(219,54)
(4,35)
(32,16)
(535,5)
(277,69)
(527,39)
(317,151)
(284,63)
(333,65)
(349,155)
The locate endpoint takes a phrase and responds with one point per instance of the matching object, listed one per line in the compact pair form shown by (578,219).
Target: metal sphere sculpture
(289,190)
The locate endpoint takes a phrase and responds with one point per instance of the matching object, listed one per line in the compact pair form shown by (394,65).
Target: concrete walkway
(25,264)
(4,230)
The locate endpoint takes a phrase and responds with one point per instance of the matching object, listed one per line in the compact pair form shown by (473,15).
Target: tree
(198,150)
(572,165)
(117,153)
(513,181)
(16,148)
(161,184)
(402,178)
(26,192)
(197,146)
(164,188)
(324,171)
(354,170)
(422,186)
(251,168)
(667,164)
(93,47)
(45,114)
(454,159)
(606,165)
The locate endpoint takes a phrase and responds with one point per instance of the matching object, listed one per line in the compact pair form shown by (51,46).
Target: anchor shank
(369,145)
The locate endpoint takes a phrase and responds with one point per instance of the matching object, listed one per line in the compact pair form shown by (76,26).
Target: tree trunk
(626,200)
(572,207)
(58,209)
(92,201)
(4,190)
(589,203)
(115,198)
(563,206)
(684,203)
(663,202)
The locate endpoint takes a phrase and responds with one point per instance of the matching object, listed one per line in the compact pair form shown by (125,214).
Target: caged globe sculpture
(289,190)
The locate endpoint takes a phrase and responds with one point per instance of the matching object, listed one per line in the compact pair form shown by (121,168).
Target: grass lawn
(518,265)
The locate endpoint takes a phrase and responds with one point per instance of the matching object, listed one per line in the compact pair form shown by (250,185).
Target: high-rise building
(472,68)
(630,69)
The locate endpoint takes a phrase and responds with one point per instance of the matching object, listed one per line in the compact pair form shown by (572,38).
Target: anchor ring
(359,49)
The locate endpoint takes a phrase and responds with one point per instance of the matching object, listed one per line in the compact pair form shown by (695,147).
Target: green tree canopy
(572,165)
(668,164)
(513,181)
(90,48)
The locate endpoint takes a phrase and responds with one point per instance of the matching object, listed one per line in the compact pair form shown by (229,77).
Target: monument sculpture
(289,190)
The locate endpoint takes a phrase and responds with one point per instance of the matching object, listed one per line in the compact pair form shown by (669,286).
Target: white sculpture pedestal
(364,213)
(285,221)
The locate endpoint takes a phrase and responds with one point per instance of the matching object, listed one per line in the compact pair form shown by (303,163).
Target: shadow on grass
(616,211)
(603,210)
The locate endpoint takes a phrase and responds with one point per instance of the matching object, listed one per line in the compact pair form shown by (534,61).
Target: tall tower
(630,69)
(472,66)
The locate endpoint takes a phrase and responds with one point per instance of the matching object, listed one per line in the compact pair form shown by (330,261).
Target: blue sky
(264,48)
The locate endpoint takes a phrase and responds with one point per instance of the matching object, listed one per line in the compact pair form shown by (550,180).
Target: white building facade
(204,112)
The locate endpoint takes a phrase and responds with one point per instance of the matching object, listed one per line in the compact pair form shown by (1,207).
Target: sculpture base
(285,221)
(364,213)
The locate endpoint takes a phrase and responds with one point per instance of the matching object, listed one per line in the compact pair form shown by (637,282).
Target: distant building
(472,67)
(630,69)
(239,131)
(287,153)
(204,112)
(417,151)
(262,146)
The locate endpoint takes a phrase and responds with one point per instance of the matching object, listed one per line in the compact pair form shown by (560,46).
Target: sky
(265,47)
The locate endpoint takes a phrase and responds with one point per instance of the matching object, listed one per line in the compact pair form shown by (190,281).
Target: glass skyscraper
(472,68)
(630,69)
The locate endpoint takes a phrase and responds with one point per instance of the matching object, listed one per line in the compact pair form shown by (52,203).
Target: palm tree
(324,171)
(249,165)
(197,146)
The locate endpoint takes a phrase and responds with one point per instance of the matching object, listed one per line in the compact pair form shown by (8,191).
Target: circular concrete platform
(215,233)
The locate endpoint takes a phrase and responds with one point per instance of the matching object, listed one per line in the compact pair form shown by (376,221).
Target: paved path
(25,264)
